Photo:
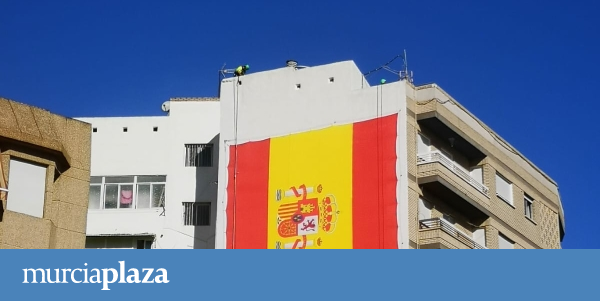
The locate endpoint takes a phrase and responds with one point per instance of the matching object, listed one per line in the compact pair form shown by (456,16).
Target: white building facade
(154,179)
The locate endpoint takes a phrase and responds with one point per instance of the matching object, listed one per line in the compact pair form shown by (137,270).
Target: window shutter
(503,189)
(504,243)
(27,188)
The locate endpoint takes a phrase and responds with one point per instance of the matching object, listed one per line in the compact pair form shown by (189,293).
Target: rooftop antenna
(222,75)
(404,74)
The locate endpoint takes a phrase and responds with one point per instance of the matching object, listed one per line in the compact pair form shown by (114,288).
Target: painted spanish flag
(333,188)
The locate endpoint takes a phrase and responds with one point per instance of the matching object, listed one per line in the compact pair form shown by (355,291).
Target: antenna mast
(405,74)
(222,75)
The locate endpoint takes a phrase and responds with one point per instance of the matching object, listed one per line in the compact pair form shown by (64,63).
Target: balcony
(437,233)
(461,172)
(436,118)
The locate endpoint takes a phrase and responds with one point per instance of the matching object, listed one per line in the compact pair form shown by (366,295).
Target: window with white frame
(504,242)
(504,189)
(196,214)
(127,192)
(199,155)
(528,206)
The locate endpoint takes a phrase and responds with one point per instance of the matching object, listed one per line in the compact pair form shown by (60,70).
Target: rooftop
(194,99)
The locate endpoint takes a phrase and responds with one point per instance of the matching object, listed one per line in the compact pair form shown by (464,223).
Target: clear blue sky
(527,70)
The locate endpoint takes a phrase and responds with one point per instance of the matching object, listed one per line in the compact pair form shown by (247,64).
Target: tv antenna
(403,74)
(222,75)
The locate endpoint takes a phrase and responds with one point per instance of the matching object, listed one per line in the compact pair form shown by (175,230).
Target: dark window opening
(196,214)
(199,155)
(144,244)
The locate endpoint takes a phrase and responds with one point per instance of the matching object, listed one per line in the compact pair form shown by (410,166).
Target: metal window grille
(196,214)
(199,155)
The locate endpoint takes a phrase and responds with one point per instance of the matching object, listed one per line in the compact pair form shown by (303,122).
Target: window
(94,130)
(125,129)
(504,189)
(127,192)
(196,214)
(144,244)
(504,242)
(199,155)
(155,129)
(528,207)
(27,186)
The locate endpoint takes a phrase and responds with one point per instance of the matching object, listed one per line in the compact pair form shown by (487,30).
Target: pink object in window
(126,197)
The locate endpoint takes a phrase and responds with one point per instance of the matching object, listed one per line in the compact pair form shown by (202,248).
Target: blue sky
(526,69)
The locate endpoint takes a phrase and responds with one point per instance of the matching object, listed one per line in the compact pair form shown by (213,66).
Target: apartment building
(44,178)
(468,188)
(315,157)
(153,179)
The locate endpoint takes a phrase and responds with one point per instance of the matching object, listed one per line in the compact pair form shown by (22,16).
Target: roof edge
(483,124)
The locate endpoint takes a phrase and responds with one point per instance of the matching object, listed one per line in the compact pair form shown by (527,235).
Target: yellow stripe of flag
(321,160)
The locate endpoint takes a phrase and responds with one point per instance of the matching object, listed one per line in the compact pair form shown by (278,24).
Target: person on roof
(241,70)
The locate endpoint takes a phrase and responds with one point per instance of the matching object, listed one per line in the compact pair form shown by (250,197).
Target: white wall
(270,105)
(141,151)
(192,122)
(137,151)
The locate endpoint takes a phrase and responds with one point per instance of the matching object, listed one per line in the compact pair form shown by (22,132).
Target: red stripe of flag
(374,223)
(247,199)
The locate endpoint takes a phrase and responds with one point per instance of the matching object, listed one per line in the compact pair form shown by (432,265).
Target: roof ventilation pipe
(294,64)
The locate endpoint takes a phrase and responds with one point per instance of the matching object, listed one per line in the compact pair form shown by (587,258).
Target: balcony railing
(452,166)
(438,223)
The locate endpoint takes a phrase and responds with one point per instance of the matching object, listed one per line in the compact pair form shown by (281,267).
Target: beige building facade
(468,188)
(44,178)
